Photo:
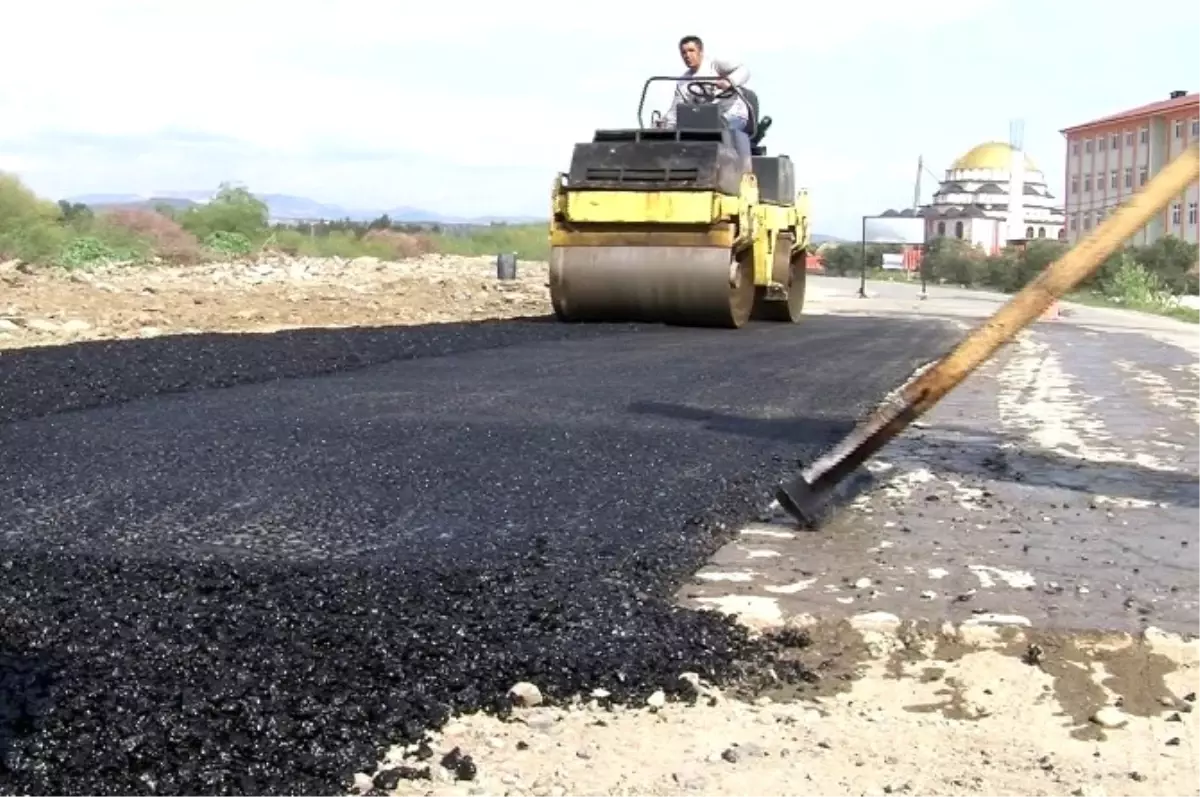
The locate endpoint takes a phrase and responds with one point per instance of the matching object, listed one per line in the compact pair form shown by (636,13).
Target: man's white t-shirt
(733,71)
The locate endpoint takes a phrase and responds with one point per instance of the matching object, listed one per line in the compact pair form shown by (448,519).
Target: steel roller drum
(688,286)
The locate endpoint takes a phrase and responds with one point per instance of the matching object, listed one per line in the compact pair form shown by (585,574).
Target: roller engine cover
(657,160)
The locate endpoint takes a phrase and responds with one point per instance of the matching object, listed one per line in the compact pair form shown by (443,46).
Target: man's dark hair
(696,40)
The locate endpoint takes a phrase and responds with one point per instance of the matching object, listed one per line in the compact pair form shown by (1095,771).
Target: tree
(840,260)
(232,210)
(955,261)
(74,211)
(1013,268)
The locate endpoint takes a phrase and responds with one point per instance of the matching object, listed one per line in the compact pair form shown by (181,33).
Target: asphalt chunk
(260,588)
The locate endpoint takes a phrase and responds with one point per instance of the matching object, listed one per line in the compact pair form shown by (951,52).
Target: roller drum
(687,286)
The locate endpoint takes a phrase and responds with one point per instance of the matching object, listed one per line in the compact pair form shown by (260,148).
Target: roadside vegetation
(1146,278)
(234,224)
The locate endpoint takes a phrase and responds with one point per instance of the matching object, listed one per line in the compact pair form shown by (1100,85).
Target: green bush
(87,250)
(29,226)
(38,243)
(228,244)
(1134,285)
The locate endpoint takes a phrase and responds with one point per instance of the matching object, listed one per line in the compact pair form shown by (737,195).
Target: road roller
(664,225)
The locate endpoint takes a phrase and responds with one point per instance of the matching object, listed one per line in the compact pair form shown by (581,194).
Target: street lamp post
(862,261)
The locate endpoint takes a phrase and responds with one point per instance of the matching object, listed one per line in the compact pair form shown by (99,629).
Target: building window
(1129,139)
(1028,233)
(1144,135)
(1041,232)
(1062,234)
(1087,182)
(1178,128)
(1129,177)
(1087,145)
(941,228)
(1075,148)
(1074,223)
(1176,210)
(958,229)
(1112,179)
(1191,213)
(1142,175)
(1075,185)
(1087,220)
(1115,140)
(1100,143)
(1195,128)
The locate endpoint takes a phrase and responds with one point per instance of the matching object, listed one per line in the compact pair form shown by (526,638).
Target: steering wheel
(709,91)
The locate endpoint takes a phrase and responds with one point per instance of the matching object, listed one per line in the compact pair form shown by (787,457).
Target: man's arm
(733,71)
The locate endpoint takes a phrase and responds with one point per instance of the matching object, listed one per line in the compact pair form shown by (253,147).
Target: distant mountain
(285,207)
(98,201)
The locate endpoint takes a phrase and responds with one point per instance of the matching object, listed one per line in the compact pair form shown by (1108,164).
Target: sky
(471,108)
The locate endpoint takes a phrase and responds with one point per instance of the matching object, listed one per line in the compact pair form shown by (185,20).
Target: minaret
(1016,184)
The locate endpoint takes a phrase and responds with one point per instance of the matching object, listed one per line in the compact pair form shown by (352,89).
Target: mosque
(973,201)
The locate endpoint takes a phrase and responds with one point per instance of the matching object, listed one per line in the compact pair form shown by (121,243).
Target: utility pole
(917,186)
(916,209)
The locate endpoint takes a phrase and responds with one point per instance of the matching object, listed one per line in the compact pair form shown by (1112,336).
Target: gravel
(260,589)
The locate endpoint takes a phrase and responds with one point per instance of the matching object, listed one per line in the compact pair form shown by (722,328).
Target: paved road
(256,585)
(1057,486)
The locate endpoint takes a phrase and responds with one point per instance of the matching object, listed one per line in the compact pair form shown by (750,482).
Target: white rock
(1110,717)
(875,621)
(1090,791)
(862,583)
(657,700)
(525,694)
(363,782)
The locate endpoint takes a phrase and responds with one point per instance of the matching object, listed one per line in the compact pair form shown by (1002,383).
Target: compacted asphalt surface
(249,564)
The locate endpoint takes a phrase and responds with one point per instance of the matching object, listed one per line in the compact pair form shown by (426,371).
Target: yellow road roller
(662,225)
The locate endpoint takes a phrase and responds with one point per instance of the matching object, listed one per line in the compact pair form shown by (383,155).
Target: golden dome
(991,155)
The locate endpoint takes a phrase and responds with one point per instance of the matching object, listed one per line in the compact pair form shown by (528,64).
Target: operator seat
(759,124)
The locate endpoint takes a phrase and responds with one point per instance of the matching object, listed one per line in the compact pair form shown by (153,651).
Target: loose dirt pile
(40,307)
(971,711)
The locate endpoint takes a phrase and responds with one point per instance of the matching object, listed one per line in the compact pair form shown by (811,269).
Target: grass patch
(1176,311)
(528,241)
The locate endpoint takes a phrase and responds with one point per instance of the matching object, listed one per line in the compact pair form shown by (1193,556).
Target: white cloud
(471,84)
(242,67)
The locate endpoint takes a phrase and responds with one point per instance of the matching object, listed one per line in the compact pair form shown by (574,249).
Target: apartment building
(1110,158)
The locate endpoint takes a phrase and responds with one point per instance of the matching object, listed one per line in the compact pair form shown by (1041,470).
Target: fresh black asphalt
(248,564)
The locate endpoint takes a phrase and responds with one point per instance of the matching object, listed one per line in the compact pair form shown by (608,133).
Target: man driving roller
(729,73)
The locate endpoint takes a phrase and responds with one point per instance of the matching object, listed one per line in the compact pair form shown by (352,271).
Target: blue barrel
(506,266)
